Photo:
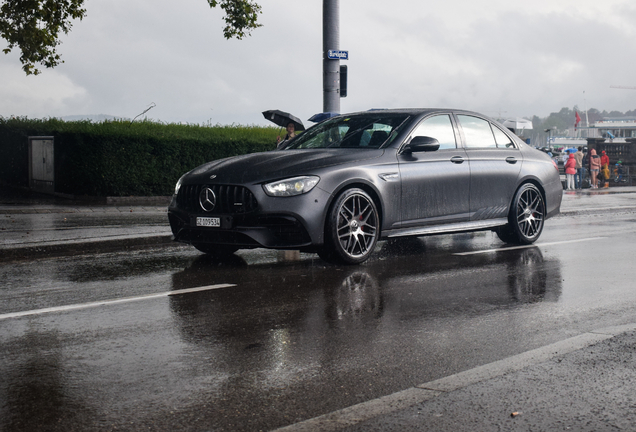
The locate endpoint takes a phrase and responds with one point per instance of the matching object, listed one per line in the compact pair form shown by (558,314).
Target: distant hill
(562,122)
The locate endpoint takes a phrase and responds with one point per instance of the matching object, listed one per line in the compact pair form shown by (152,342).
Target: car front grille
(230,200)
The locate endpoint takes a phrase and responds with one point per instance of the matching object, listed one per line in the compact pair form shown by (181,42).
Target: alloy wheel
(354,226)
(530,213)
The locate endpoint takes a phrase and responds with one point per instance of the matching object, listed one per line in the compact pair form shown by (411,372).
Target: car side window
(440,128)
(477,132)
(503,140)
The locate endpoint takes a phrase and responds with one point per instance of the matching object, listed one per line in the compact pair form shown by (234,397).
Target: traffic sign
(338,55)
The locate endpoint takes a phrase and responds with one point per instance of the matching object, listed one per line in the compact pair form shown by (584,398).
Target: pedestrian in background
(604,174)
(604,161)
(595,167)
(580,171)
(570,171)
(291,133)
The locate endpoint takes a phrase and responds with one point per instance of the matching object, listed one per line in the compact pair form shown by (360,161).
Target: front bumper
(272,222)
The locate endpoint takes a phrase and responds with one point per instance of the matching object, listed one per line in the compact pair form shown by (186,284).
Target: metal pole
(330,68)
(587,120)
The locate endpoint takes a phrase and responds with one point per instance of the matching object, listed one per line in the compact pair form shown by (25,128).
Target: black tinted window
(372,130)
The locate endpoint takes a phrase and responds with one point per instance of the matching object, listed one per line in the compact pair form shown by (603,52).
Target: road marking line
(111,302)
(527,246)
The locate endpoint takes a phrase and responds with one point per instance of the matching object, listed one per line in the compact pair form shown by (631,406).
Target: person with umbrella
(286,120)
(291,133)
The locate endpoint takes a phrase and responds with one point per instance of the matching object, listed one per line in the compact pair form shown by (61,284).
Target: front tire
(352,228)
(526,217)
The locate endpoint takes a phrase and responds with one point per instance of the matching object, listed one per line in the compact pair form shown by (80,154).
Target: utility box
(41,164)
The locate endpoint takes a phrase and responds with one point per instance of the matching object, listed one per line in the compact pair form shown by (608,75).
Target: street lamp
(549,132)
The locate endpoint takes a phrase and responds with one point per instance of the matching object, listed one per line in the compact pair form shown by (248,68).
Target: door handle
(511,160)
(457,159)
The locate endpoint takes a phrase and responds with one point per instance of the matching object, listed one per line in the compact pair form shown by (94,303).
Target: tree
(34,26)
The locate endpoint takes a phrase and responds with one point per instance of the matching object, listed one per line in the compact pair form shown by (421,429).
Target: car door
(435,184)
(495,163)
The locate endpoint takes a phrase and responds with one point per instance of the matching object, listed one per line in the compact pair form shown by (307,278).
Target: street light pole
(330,67)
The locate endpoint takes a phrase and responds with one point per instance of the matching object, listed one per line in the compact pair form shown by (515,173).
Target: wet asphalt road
(270,342)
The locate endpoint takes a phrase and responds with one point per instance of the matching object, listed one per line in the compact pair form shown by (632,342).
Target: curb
(87,247)
(26,196)
(139,201)
(582,211)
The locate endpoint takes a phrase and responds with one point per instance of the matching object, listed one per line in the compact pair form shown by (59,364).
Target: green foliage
(241,17)
(117,158)
(34,26)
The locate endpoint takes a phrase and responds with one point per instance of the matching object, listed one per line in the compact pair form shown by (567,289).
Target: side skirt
(447,228)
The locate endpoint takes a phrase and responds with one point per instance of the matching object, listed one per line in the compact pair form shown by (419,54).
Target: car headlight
(291,187)
(178,185)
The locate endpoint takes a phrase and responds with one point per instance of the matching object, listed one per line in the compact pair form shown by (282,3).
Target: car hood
(274,165)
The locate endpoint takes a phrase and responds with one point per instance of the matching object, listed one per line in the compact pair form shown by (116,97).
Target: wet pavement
(35,225)
(582,382)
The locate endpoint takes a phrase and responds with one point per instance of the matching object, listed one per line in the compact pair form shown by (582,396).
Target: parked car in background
(355,179)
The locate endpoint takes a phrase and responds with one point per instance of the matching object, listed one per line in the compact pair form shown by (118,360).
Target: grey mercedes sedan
(354,179)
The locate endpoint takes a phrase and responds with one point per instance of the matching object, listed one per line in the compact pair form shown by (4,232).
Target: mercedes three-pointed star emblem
(207,199)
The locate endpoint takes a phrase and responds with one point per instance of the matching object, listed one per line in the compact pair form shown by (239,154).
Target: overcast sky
(498,57)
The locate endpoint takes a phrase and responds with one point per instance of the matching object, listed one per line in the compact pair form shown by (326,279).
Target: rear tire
(352,228)
(526,217)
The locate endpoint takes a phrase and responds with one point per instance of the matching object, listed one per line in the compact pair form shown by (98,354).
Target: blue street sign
(338,55)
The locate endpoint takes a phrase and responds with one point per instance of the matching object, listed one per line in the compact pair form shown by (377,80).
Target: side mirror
(422,144)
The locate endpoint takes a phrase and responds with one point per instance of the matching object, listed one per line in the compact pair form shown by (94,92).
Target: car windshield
(363,131)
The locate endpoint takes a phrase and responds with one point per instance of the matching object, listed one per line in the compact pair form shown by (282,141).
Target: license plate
(209,222)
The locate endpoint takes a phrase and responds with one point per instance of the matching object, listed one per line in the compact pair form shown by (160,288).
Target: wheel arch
(360,184)
(354,246)
(533,181)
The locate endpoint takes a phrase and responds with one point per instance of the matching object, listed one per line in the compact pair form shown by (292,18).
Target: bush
(117,158)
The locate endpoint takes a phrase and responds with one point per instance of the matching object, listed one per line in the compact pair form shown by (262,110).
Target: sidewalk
(36,225)
(594,200)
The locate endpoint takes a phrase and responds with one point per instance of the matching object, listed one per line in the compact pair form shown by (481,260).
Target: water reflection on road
(290,340)
(316,325)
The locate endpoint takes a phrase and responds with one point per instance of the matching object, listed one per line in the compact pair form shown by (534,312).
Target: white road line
(111,302)
(504,249)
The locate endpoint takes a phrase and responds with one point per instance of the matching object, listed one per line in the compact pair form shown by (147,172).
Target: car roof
(415,111)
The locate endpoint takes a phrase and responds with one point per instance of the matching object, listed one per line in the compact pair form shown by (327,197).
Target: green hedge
(117,158)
